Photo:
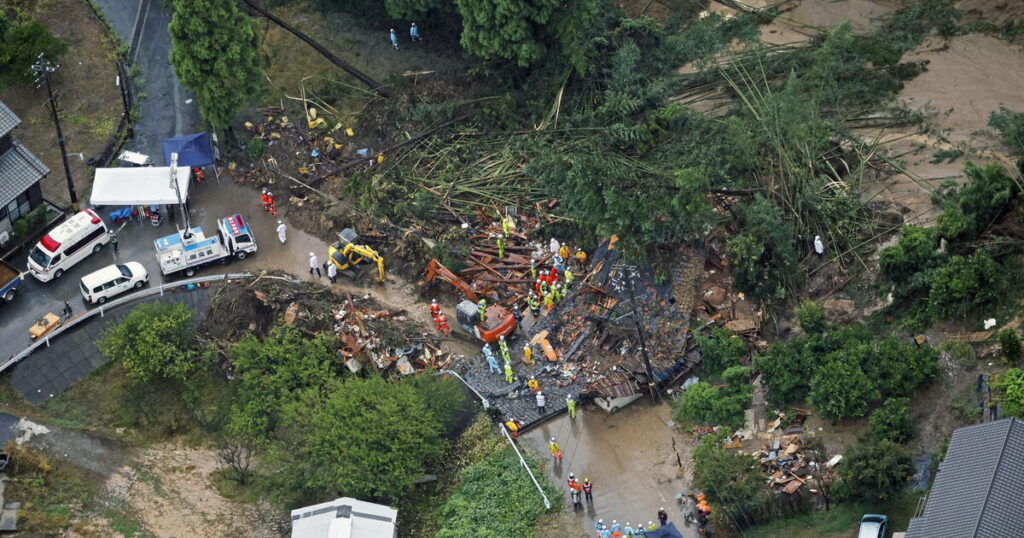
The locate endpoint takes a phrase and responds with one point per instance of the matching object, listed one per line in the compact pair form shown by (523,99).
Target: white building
(344,518)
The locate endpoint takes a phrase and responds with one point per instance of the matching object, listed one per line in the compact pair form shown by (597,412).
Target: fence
(102,309)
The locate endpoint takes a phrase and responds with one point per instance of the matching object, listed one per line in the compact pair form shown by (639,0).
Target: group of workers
(548,288)
(269,204)
(618,531)
(414,36)
(440,319)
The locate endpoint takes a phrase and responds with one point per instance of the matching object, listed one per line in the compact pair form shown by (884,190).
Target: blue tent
(193,150)
(668,531)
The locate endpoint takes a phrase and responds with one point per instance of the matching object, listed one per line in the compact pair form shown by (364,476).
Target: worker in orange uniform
(265,198)
(556,451)
(273,204)
(199,174)
(441,324)
(435,309)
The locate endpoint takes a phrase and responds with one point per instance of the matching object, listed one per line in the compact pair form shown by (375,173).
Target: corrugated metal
(614,385)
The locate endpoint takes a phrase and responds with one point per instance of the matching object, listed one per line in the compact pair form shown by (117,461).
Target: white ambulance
(66,245)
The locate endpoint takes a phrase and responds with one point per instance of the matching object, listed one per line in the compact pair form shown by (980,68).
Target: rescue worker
(435,308)
(615,526)
(563,251)
(441,324)
(662,516)
(492,362)
(500,241)
(651,526)
(569,277)
(534,304)
(606,533)
(332,273)
(394,39)
(513,426)
(559,262)
(540,406)
(819,246)
(554,245)
(265,199)
(533,384)
(571,482)
(481,310)
(508,372)
(533,268)
(199,174)
(503,347)
(627,530)
(581,260)
(570,402)
(545,288)
(588,489)
(273,204)
(414,33)
(549,301)
(517,315)
(528,354)
(113,240)
(314,265)
(282,231)
(640,530)
(599,526)
(556,451)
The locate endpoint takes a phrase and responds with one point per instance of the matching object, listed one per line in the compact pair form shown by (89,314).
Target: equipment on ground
(500,322)
(345,254)
(190,250)
(44,325)
(10,279)
(437,270)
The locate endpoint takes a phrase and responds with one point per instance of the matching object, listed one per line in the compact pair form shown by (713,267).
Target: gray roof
(977,489)
(8,119)
(19,170)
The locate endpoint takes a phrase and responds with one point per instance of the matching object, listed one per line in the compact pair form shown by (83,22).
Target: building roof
(19,170)
(8,119)
(344,518)
(977,488)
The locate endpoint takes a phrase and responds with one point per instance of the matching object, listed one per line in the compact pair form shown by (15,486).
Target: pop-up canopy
(150,185)
(193,150)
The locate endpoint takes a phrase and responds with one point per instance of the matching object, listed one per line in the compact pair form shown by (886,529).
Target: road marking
(139,29)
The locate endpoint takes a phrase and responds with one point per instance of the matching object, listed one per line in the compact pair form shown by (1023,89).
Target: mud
(629,457)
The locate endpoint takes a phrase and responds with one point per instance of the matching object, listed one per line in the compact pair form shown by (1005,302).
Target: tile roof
(977,489)
(19,170)
(8,119)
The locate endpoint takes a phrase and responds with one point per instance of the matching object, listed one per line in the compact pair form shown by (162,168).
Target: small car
(873,526)
(99,286)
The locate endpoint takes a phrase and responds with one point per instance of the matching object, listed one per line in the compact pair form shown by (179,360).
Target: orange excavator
(500,322)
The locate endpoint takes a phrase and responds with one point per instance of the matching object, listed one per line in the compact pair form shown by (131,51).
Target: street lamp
(43,68)
(624,279)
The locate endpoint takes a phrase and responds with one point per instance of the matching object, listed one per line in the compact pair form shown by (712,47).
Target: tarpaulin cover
(668,531)
(193,150)
(147,185)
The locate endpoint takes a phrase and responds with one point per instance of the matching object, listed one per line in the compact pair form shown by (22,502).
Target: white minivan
(67,244)
(112,280)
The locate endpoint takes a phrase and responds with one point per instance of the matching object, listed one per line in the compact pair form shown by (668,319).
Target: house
(344,518)
(20,173)
(977,490)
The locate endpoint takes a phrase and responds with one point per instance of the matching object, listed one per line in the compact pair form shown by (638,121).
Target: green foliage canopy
(22,39)
(732,480)
(811,316)
(216,54)
(841,387)
(891,422)
(155,342)
(874,471)
(1010,388)
(1010,126)
(721,350)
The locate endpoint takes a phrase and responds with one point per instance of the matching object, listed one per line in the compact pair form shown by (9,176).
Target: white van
(98,286)
(66,245)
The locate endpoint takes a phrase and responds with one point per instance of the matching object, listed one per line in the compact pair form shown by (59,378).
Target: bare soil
(88,100)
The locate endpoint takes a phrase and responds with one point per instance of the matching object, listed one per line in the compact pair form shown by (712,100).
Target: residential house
(20,173)
(344,518)
(978,488)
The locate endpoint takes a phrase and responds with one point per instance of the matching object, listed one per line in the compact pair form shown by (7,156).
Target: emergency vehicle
(190,250)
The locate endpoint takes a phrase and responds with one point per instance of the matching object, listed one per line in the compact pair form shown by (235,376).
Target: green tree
(966,285)
(155,342)
(786,371)
(216,55)
(1010,125)
(901,368)
(874,471)
(916,251)
(811,316)
(22,39)
(1009,388)
(704,404)
(840,387)
(977,205)
(763,255)
(891,422)
(721,350)
(366,438)
(271,370)
(732,480)
(1009,344)
(442,395)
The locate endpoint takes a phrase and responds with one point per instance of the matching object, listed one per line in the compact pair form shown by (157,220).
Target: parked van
(66,245)
(112,280)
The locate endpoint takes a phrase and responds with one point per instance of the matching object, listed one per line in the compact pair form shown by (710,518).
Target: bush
(840,387)
(155,342)
(1010,125)
(1009,389)
(721,350)
(786,369)
(874,471)
(706,405)
(901,368)
(763,255)
(31,223)
(811,316)
(22,39)
(891,422)
(1009,343)
(979,203)
(916,251)
(732,480)
(965,286)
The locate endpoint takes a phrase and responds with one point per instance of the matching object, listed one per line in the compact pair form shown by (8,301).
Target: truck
(190,250)
(10,279)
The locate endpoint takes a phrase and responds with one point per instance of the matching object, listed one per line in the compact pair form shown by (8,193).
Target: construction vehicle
(500,322)
(345,254)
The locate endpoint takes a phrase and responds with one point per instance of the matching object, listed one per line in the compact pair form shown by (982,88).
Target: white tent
(148,185)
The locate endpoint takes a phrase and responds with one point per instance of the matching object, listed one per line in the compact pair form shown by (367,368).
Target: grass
(839,522)
(121,520)
(50,492)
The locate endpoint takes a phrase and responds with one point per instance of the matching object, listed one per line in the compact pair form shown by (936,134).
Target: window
(85,241)
(120,280)
(13,212)
(244,238)
(124,270)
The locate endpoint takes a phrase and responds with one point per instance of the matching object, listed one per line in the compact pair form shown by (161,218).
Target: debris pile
(786,464)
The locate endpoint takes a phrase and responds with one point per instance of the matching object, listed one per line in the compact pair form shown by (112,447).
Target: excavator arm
(359,253)
(436,270)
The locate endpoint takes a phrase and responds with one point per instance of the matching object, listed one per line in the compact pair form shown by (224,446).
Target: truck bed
(7,274)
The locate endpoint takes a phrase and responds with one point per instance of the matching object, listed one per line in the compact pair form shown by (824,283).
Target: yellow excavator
(345,254)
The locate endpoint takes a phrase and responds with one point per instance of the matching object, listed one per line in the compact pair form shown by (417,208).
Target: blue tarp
(668,531)
(193,150)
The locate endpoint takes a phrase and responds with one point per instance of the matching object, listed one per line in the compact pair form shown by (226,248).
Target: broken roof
(976,491)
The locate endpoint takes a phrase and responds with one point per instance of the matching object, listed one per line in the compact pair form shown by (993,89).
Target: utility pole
(43,67)
(626,281)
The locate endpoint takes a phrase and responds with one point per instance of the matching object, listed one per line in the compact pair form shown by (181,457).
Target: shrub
(979,203)
(763,255)
(901,368)
(965,286)
(874,471)
(703,404)
(1009,388)
(786,369)
(155,342)
(811,316)
(720,351)
(1010,125)
(22,39)
(840,387)
(916,251)
(891,422)
(731,479)
(1009,343)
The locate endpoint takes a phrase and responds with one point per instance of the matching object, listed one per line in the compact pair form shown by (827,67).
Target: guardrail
(102,309)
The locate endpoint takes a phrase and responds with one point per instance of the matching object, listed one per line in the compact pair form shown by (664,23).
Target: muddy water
(628,456)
